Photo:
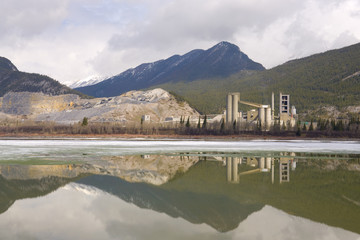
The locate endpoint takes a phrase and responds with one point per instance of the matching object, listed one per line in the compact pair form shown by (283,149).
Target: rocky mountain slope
(327,79)
(67,109)
(7,65)
(222,60)
(12,80)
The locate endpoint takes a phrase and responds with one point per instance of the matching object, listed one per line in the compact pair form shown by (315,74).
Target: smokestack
(272,106)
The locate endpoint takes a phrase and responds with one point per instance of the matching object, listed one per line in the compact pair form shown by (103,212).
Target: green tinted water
(192,195)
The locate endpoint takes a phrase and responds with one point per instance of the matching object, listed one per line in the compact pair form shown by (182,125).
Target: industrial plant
(262,115)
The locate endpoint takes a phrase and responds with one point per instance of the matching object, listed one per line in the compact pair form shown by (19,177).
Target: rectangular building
(284,103)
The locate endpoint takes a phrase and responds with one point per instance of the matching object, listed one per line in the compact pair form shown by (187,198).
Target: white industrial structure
(264,112)
(232,107)
(264,115)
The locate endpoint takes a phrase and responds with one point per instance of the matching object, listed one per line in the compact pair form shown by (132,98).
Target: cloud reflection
(77,211)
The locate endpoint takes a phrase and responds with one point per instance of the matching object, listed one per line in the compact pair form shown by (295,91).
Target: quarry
(156,104)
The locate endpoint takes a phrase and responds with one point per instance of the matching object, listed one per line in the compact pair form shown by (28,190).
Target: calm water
(121,189)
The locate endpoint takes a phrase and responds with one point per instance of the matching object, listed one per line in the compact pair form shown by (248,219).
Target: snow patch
(88,81)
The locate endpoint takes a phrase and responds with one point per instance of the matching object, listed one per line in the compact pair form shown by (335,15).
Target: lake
(179,189)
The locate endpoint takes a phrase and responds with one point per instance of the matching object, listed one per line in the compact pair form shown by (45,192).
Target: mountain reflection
(200,187)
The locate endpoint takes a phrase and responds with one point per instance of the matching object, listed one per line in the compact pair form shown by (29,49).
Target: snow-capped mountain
(222,60)
(88,81)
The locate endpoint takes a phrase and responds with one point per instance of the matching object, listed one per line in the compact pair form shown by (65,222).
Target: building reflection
(239,166)
(232,164)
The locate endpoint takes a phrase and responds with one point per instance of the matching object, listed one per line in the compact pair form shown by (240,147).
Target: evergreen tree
(198,125)
(322,125)
(84,121)
(348,126)
(188,123)
(258,125)
(311,128)
(298,123)
(222,125)
(204,123)
(333,124)
(327,124)
(339,126)
(304,127)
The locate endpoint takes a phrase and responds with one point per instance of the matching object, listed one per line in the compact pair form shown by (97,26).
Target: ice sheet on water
(78,148)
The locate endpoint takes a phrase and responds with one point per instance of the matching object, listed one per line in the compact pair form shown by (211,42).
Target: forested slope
(326,79)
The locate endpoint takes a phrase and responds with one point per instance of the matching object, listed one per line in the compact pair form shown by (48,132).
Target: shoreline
(8,136)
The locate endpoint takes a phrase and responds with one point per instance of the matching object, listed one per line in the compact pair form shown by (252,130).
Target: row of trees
(319,128)
(330,127)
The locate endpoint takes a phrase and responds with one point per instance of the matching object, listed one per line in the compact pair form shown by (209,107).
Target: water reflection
(235,169)
(153,169)
(199,188)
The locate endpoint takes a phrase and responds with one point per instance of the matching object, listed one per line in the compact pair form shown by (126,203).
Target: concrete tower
(229,108)
(232,107)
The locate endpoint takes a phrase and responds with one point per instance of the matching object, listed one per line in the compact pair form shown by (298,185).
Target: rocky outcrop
(24,103)
(128,107)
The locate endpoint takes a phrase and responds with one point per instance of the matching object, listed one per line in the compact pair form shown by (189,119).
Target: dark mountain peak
(6,64)
(13,80)
(227,58)
(226,45)
(222,60)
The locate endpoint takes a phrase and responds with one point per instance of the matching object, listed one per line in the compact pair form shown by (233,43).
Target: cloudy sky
(73,39)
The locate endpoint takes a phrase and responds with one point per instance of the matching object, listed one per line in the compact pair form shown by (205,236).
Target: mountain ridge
(221,60)
(13,80)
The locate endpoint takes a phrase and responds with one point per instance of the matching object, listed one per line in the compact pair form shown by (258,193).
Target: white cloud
(29,18)
(69,40)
